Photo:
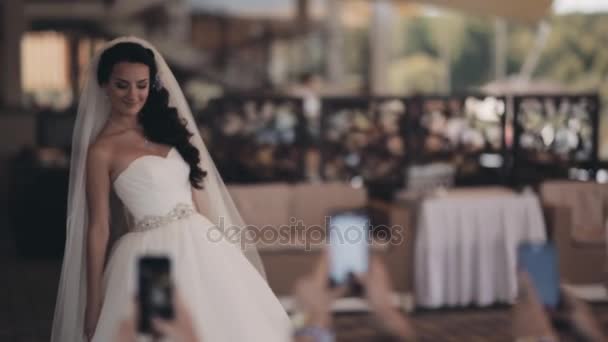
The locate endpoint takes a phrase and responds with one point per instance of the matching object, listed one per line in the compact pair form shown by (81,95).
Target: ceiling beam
(520,10)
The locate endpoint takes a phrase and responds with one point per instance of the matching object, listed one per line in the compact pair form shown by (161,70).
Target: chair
(577,213)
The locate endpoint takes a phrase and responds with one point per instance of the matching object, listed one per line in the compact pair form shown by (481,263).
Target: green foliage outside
(455,53)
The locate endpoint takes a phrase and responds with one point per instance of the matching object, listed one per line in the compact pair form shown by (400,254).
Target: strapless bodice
(153,185)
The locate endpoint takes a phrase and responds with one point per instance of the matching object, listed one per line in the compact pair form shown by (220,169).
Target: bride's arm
(200,202)
(98,195)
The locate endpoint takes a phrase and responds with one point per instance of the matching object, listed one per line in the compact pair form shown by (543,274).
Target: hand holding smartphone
(348,248)
(155,291)
(540,262)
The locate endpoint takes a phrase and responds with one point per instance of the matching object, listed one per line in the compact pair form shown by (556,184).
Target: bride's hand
(90,321)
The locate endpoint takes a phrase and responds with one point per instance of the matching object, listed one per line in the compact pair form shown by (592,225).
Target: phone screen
(155,291)
(348,245)
(540,262)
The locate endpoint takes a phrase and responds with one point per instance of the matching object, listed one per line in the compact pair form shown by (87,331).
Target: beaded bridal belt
(181,211)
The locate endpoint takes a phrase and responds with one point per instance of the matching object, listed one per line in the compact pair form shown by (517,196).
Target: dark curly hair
(161,123)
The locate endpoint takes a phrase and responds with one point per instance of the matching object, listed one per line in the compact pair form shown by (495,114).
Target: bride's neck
(123,121)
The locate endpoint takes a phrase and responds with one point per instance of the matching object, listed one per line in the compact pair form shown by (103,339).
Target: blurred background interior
(476,125)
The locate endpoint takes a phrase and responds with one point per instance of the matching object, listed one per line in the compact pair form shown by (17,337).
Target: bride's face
(128,87)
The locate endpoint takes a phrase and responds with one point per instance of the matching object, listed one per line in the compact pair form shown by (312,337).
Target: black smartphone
(540,262)
(155,291)
(348,247)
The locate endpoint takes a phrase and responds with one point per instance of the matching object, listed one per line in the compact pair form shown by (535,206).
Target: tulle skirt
(224,293)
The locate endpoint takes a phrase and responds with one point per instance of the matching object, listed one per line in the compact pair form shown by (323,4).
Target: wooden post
(379,46)
(12,26)
(73,67)
(303,15)
(180,27)
(500,49)
(335,43)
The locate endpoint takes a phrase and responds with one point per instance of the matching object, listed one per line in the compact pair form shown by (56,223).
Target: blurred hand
(529,316)
(180,329)
(313,296)
(378,292)
(581,317)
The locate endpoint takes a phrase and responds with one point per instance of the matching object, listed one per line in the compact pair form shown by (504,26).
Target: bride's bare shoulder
(101,149)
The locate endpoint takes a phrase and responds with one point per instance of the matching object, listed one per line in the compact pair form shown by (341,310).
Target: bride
(142,181)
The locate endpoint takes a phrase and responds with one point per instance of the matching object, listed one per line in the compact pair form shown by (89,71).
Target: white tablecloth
(466,246)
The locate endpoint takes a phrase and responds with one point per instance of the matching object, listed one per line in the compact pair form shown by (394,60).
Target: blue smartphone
(348,245)
(540,262)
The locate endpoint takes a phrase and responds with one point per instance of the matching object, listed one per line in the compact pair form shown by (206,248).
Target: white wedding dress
(227,297)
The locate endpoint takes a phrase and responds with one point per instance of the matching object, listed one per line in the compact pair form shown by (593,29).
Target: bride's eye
(142,86)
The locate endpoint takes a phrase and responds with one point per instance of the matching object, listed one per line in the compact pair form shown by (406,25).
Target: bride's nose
(132,95)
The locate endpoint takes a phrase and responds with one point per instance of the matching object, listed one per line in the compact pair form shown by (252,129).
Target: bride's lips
(130,104)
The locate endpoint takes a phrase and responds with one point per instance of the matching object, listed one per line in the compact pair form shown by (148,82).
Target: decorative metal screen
(255,139)
(554,133)
(561,129)
(373,140)
(467,132)
(362,139)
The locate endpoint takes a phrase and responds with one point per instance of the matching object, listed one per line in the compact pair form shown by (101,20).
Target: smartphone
(348,247)
(540,262)
(155,291)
